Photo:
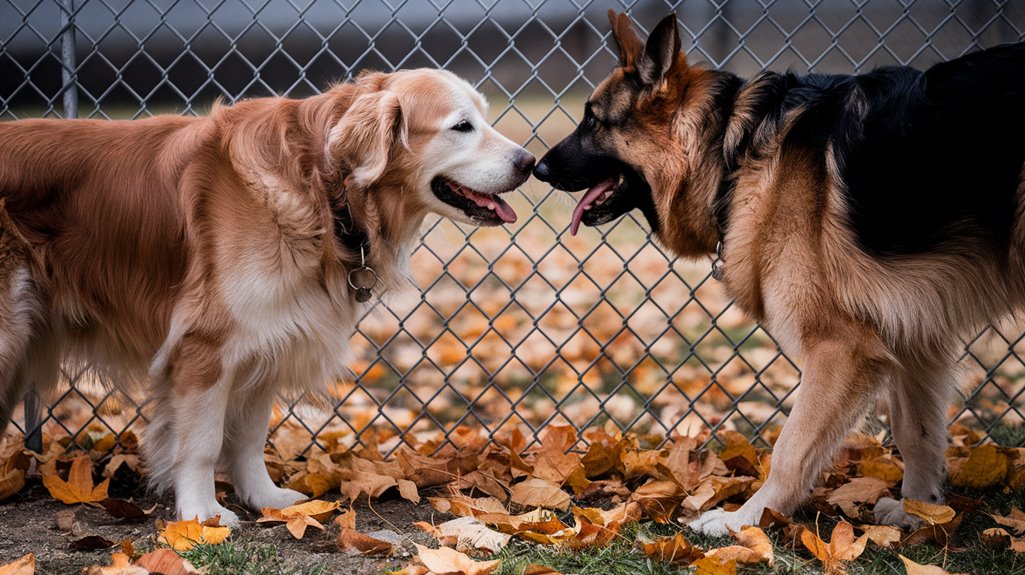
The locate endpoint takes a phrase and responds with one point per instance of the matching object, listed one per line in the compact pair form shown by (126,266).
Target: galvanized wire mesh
(520,325)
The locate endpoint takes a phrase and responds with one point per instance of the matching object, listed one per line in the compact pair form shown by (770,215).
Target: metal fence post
(33,407)
(69,75)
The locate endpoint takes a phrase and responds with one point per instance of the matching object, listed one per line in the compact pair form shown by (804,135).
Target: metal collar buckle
(718,263)
(363,279)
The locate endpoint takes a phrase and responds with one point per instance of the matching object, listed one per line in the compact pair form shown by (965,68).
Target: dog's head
(422,136)
(624,151)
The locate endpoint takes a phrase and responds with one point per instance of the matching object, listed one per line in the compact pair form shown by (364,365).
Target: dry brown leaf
(857,490)
(772,519)
(842,547)
(658,499)
(638,463)
(1015,520)
(677,461)
(470,533)
(755,547)
(674,549)
(939,535)
(346,518)
(123,509)
(535,569)
(593,528)
(536,492)
(884,536)
(917,569)
(459,504)
(313,484)
(885,467)
(408,491)
(365,482)
(79,487)
(551,531)
(714,490)
(298,517)
(24,566)
(130,460)
(167,562)
(513,524)
(351,540)
(11,481)
(184,535)
(756,540)
(14,462)
(444,560)
(932,514)
(715,566)
(996,537)
(738,454)
(986,465)
(120,564)
(599,460)
(422,470)
(552,463)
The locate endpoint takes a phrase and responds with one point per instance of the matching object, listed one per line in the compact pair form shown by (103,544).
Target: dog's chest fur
(289,307)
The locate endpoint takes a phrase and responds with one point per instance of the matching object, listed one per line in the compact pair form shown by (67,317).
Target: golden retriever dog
(220,260)
(867,221)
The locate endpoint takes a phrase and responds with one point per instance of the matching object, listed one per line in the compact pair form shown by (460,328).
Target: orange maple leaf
(79,487)
(184,535)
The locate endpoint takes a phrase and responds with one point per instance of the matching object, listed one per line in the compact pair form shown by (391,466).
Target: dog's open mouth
(482,208)
(609,199)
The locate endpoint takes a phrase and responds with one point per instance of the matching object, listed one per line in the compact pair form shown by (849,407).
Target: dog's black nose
(541,171)
(524,161)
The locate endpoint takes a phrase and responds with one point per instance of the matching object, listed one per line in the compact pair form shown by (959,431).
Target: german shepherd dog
(867,221)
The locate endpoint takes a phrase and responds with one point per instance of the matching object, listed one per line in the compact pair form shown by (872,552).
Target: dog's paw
(889,511)
(276,498)
(717,522)
(227,518)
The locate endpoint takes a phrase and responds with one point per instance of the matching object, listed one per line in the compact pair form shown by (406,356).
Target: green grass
(966,555)
(230,558)
(619,558)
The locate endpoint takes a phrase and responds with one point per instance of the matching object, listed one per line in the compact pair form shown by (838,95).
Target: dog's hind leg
(16,323)
(242,453)
(918,402)
(19,306)
(842,373)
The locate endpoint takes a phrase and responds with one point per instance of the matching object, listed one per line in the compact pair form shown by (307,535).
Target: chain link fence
(521,325)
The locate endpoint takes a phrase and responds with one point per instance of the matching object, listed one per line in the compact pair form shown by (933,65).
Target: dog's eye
(463,126)
(591,121)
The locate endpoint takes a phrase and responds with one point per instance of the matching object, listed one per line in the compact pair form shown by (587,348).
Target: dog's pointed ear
(361,141)
(660,52)
(627,40)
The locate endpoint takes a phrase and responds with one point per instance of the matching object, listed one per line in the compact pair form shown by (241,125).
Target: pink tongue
(504,210)
(588,199)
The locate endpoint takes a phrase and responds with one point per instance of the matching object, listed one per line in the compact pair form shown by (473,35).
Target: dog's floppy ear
(362,139)
(660,51)
(627,40)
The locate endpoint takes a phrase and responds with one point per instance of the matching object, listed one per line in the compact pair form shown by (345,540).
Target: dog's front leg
(841,375)
(242,453)
(199,417)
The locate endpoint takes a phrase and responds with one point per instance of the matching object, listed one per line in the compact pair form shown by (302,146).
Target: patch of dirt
(28,524)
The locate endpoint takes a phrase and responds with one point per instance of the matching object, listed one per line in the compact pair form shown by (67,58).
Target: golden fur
(210,256)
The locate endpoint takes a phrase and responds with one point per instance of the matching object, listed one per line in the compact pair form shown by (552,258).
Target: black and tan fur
(868,221)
